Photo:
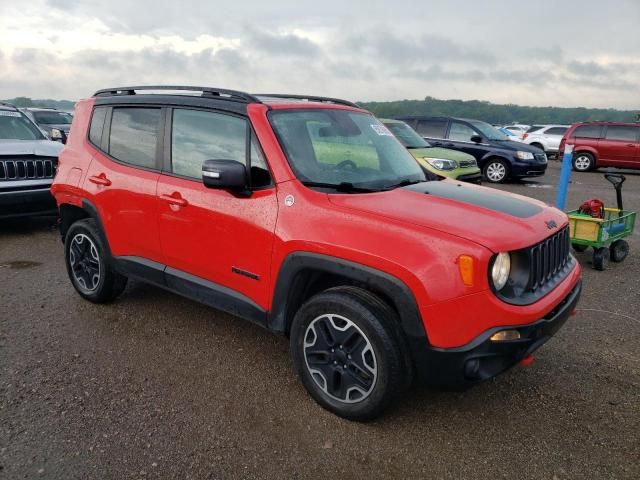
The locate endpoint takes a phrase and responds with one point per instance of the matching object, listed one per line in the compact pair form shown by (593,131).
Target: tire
(583,162)
(579,248)
(619,250)
(495,171)
(600,258)
(88,265)
(348,352)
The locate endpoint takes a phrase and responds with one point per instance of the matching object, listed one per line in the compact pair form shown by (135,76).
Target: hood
(41,148)
(498,220)
(437,152)
(515,145)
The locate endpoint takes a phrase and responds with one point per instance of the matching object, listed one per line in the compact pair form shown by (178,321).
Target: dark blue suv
(497,156)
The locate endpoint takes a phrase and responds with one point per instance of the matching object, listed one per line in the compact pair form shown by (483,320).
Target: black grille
(547,258)
(467,163)
(540,157)
(27,169)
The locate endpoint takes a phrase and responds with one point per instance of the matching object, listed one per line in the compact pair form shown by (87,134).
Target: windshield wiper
(346,187)
(403,183)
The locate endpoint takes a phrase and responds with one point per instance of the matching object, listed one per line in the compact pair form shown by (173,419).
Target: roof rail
(206,92)
(7,104)
(309,98)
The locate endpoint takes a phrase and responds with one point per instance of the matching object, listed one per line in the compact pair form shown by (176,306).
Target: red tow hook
(574,312)
(526,361)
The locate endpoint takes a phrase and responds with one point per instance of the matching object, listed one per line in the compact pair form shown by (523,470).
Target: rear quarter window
(97,125)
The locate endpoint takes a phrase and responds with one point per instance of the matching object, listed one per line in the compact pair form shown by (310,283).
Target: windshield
(53,118)
(338,148)
(407,135)
(15,126)
(487,131)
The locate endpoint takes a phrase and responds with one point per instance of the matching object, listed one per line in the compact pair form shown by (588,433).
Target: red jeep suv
(603,144)
(306,216)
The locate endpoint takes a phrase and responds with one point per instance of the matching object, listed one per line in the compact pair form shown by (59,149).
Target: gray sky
(561,52)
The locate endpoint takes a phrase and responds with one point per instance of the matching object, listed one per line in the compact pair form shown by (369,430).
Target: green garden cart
(605,234)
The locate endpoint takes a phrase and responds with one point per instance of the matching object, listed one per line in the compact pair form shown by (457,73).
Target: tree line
(20,102)
(477,109)
(496,113)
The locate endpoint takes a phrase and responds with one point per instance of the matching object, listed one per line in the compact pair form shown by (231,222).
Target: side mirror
(476,138)
(225,174)
(56,135)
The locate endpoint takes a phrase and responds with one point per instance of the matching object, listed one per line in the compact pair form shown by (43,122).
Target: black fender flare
(389,287)
(91,212)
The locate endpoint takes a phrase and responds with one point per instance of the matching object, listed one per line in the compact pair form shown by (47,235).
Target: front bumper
(21,203)
(481,358)
(528,168)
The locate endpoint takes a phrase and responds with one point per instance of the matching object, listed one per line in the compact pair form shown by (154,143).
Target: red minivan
(604,144)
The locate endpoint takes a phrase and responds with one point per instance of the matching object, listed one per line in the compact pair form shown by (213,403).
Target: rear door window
(588,131)
(431,128)
(623,133)
(461,132)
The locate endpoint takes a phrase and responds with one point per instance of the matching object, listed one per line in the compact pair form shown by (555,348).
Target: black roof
(166,92)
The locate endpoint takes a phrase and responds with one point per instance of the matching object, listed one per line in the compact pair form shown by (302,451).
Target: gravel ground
(156,386)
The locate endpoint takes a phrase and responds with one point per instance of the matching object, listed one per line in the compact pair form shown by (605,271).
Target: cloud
(366,50)
(280,44)
(407,49)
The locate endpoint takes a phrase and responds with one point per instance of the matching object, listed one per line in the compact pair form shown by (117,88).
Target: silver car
(545,137)
(28,161)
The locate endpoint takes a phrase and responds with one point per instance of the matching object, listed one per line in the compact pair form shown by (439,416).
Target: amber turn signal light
(465,265)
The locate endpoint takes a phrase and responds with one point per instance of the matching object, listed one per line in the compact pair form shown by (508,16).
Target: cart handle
(615,178)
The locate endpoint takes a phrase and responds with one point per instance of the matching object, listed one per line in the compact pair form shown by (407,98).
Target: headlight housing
(441,163)
(500,270)
(524,155)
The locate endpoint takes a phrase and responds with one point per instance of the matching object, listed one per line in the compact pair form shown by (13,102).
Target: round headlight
(500,270)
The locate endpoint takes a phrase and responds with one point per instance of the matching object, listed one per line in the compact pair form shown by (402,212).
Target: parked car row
(498,157)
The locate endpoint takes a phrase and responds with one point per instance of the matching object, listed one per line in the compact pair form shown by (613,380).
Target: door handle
(449,145)
(631,144)
(100,180)
(175,199)
(437,143)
